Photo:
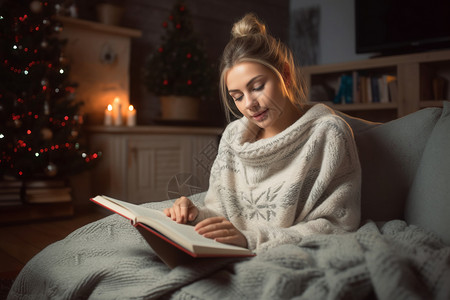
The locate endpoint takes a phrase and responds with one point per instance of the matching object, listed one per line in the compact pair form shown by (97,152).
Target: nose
(250,102)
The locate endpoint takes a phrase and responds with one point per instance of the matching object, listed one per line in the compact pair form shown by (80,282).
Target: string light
(24,109)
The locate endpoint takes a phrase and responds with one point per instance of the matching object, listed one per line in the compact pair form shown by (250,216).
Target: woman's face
(258,94)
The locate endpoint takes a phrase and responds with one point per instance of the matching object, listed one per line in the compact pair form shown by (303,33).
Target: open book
(167,237)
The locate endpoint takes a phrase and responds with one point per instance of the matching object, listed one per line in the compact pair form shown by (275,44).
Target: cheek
(273,98)
(240,106)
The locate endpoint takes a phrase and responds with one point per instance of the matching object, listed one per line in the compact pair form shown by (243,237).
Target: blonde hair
(250,42)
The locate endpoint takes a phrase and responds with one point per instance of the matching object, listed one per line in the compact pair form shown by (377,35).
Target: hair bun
(248,25)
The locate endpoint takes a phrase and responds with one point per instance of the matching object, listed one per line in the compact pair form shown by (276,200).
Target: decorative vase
(179,108)
(109,14)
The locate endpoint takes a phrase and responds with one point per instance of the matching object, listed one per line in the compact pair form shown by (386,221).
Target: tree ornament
(44,81)
(74,133)
(36,6)
(46,133)
(46,108)
(63,59)
(51,170)
(18,123)
(58,27)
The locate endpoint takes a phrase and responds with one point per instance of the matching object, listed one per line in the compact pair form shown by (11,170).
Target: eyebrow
(248,83)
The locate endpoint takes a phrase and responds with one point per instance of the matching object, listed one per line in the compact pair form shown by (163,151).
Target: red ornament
(182,8)
(166,82)
(178,26)
(189,82)
(171,17)
(188,55)
(160,50)
(165,24)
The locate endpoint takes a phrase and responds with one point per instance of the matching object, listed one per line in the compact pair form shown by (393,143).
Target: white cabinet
(152,163)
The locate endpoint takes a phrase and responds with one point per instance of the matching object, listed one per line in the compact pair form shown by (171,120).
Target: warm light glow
(109,107)
(116,100)
(131,108)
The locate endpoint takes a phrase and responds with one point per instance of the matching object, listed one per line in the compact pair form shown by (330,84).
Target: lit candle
(108,115)
(131,117)
(117,112)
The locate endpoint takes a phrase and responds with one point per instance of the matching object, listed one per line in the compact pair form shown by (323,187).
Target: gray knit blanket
(108,259)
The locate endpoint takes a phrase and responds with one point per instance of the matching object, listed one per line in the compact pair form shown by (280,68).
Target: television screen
(401,26)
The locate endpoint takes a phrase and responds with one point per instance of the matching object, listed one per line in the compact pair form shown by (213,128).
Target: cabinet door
(152,162)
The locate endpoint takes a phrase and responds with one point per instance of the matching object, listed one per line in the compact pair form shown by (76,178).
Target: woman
(285,169)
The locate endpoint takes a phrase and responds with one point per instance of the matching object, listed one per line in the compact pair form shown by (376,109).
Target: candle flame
(131,108)
(109,107)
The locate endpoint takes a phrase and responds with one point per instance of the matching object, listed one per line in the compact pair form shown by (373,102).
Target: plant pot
(109,14)
(179,107)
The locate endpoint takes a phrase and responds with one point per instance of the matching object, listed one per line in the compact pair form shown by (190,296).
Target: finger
(209,221)
(223,228)
(183,214)
(173,215)
(178,213)
(166,211)
(220,233)
(193,213)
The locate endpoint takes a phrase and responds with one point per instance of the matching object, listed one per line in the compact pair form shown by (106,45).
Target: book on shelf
(46,191)
(48,195)
(174,243)
(10,193)
(45,183)
(364,88)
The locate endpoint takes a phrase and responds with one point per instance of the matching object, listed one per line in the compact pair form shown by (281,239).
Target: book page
(116,206)
(183,234)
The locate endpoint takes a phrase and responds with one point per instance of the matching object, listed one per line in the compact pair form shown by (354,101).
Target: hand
(182,211)
(221,230)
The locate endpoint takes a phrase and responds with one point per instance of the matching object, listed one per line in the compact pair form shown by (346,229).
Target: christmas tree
(39,116)
(179,66)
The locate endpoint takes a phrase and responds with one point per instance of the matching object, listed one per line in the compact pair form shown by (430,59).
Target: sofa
(400,251)
(405,167)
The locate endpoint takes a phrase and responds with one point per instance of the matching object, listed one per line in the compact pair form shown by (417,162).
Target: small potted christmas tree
(178,71)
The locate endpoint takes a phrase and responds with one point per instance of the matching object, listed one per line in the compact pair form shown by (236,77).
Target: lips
(260,115)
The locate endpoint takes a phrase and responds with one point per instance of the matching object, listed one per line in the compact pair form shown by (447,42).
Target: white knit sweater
(302,181)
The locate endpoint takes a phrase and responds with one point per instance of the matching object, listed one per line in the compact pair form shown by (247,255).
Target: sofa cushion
(428,203)
(389,155)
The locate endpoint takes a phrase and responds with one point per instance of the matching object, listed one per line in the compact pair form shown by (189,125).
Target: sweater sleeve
(333,202)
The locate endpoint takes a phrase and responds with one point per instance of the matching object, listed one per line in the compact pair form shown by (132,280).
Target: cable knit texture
(304,180)
(109,259)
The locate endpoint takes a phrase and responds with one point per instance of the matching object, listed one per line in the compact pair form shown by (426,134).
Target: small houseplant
(178,71)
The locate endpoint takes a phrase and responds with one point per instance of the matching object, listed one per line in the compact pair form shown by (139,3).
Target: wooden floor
(19,243)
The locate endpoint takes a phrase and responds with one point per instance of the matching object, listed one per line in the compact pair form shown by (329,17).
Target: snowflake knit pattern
(302,181)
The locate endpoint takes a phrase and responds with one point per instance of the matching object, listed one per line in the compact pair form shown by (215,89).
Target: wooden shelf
(364,106)
(414,72)
(89,25)
(431,103)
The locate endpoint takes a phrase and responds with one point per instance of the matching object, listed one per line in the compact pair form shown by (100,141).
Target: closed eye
(259,88)
(238,98)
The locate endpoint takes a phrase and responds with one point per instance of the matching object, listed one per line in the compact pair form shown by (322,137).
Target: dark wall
(212,20)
